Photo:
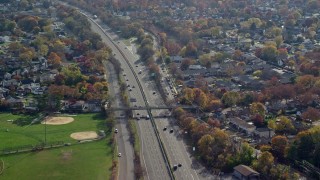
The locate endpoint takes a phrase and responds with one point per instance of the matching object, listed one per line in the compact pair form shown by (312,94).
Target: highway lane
(125,147)
(174,144)
(175,147)
(151,154)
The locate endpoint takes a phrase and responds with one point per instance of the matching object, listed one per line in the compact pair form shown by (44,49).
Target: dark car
(171,130)
(175,167)
(165,128)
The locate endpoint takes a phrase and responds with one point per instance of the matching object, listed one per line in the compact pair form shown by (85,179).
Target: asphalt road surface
(152,159)
(126,167)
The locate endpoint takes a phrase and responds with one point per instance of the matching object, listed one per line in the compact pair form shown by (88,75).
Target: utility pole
(45,132)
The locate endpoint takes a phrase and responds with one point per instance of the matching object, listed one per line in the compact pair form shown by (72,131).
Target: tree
(59,79)
(185,36)
(269,53)
(230,98)
(202,100)
(237,55)
(278,40)
(258,108)
(244,156)
(281,125)
(213,122)
(280,171)
(54,59)
(172,47)
(43,50)
(279,145)
(191,50)
(28,23)
(73,74)
(205,145)
(306,81)
(199,131)
(27,54)
(258,120)
(101,55)
(188,95)
(177,112)
(264,163)
(312,114)
(205,60)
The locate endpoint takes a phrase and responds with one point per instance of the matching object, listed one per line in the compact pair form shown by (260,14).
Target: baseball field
(74,160)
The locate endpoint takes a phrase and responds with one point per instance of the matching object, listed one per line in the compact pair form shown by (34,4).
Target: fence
(29,148)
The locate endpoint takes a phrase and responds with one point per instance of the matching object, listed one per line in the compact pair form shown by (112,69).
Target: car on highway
(175,167)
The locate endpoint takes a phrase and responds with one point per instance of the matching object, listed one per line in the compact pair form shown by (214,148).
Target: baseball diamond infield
(57,120)
(86,135)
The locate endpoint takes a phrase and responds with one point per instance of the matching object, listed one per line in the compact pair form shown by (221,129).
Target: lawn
(91,160)
(12,135)
(81,162)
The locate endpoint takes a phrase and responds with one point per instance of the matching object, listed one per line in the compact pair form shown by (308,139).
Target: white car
(119,155)
(116,130)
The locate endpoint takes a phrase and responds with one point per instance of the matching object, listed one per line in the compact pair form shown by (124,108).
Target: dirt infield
(57,120)
(84,135)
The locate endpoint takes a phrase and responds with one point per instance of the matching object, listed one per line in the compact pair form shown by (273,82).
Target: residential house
(243,172)
(248,81)
(196,67)
(47,77)
(4,92)
(15,103)
(242,125)
(74,107)
(24,89)
(9,83)
(264,133)
(93,106)
(176,59)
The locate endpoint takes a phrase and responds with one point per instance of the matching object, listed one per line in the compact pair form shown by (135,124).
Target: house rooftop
(245,170)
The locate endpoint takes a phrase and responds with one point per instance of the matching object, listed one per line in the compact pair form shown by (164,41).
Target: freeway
(176,148)
(126,167)
(152,157)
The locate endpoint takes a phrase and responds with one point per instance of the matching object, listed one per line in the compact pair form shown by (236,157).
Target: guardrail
(163,151)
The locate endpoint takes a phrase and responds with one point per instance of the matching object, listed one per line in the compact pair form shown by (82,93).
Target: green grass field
(91,160)
(12,135)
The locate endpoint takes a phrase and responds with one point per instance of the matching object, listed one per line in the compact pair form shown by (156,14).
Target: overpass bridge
(112,109)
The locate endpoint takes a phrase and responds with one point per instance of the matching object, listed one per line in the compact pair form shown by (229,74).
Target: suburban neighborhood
(238,80)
